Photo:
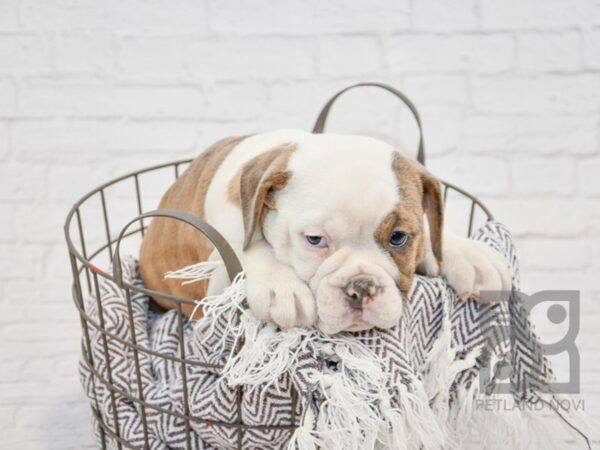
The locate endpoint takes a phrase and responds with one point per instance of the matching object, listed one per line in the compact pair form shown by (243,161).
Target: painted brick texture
(509,93)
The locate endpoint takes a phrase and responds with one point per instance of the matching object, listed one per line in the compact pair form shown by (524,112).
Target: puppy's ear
(433,205)
(418,185)
(260,178)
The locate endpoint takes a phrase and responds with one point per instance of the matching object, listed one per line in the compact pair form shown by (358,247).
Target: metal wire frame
(83,269)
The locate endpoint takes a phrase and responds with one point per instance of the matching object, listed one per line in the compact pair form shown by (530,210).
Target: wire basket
(92,244)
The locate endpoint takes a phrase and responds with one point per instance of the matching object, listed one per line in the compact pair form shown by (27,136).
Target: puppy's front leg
(471,268)
(274,292)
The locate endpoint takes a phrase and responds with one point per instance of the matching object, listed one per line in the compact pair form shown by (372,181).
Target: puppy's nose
(359,290)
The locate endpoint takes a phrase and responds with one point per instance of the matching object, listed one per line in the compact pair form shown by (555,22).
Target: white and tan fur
(269,191)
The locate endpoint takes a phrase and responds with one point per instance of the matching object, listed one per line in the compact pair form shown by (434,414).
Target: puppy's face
(347,215)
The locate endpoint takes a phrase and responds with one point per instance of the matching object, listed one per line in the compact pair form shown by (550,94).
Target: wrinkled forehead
(347,183)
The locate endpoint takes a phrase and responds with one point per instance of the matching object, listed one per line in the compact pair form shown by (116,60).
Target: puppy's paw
(281,297)
(477,271)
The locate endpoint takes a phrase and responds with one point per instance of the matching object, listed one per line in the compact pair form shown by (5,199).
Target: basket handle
(322,119)
(232,263)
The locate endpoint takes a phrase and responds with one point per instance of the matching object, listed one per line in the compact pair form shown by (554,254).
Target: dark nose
(359,290)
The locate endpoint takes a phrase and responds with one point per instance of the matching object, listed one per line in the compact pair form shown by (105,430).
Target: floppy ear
(418,185)
(260,178)
(433,206)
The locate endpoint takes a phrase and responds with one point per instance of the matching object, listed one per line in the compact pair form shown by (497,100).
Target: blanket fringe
(195,272)
(355,411)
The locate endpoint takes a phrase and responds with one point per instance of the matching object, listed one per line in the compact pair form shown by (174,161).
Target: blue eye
(316,241)
(398,239)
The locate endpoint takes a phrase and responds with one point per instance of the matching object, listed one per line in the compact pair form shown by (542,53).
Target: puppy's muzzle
(360,290)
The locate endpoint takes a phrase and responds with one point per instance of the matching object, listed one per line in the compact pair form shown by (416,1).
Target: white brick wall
(509,93)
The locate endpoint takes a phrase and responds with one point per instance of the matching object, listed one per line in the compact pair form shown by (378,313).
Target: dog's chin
(359,325)
(353,325)
(341,319)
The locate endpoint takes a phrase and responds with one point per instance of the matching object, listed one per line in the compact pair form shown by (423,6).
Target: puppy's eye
(316,241)
(398,239)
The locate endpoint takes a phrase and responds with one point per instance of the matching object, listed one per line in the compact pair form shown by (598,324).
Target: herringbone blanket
(413,386)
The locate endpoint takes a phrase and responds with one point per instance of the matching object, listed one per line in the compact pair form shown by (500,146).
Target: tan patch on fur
(233,189)
(404,219)
(259,180)
(419,194)
(170,244)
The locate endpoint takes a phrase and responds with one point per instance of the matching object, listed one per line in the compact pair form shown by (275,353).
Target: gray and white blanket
(412,386)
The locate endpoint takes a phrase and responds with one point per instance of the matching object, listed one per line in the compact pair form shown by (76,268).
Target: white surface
(509,93)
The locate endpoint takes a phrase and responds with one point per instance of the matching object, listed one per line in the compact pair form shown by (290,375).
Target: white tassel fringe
(356,412)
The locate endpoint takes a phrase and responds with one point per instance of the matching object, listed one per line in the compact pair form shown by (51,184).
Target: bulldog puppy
(329,228)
